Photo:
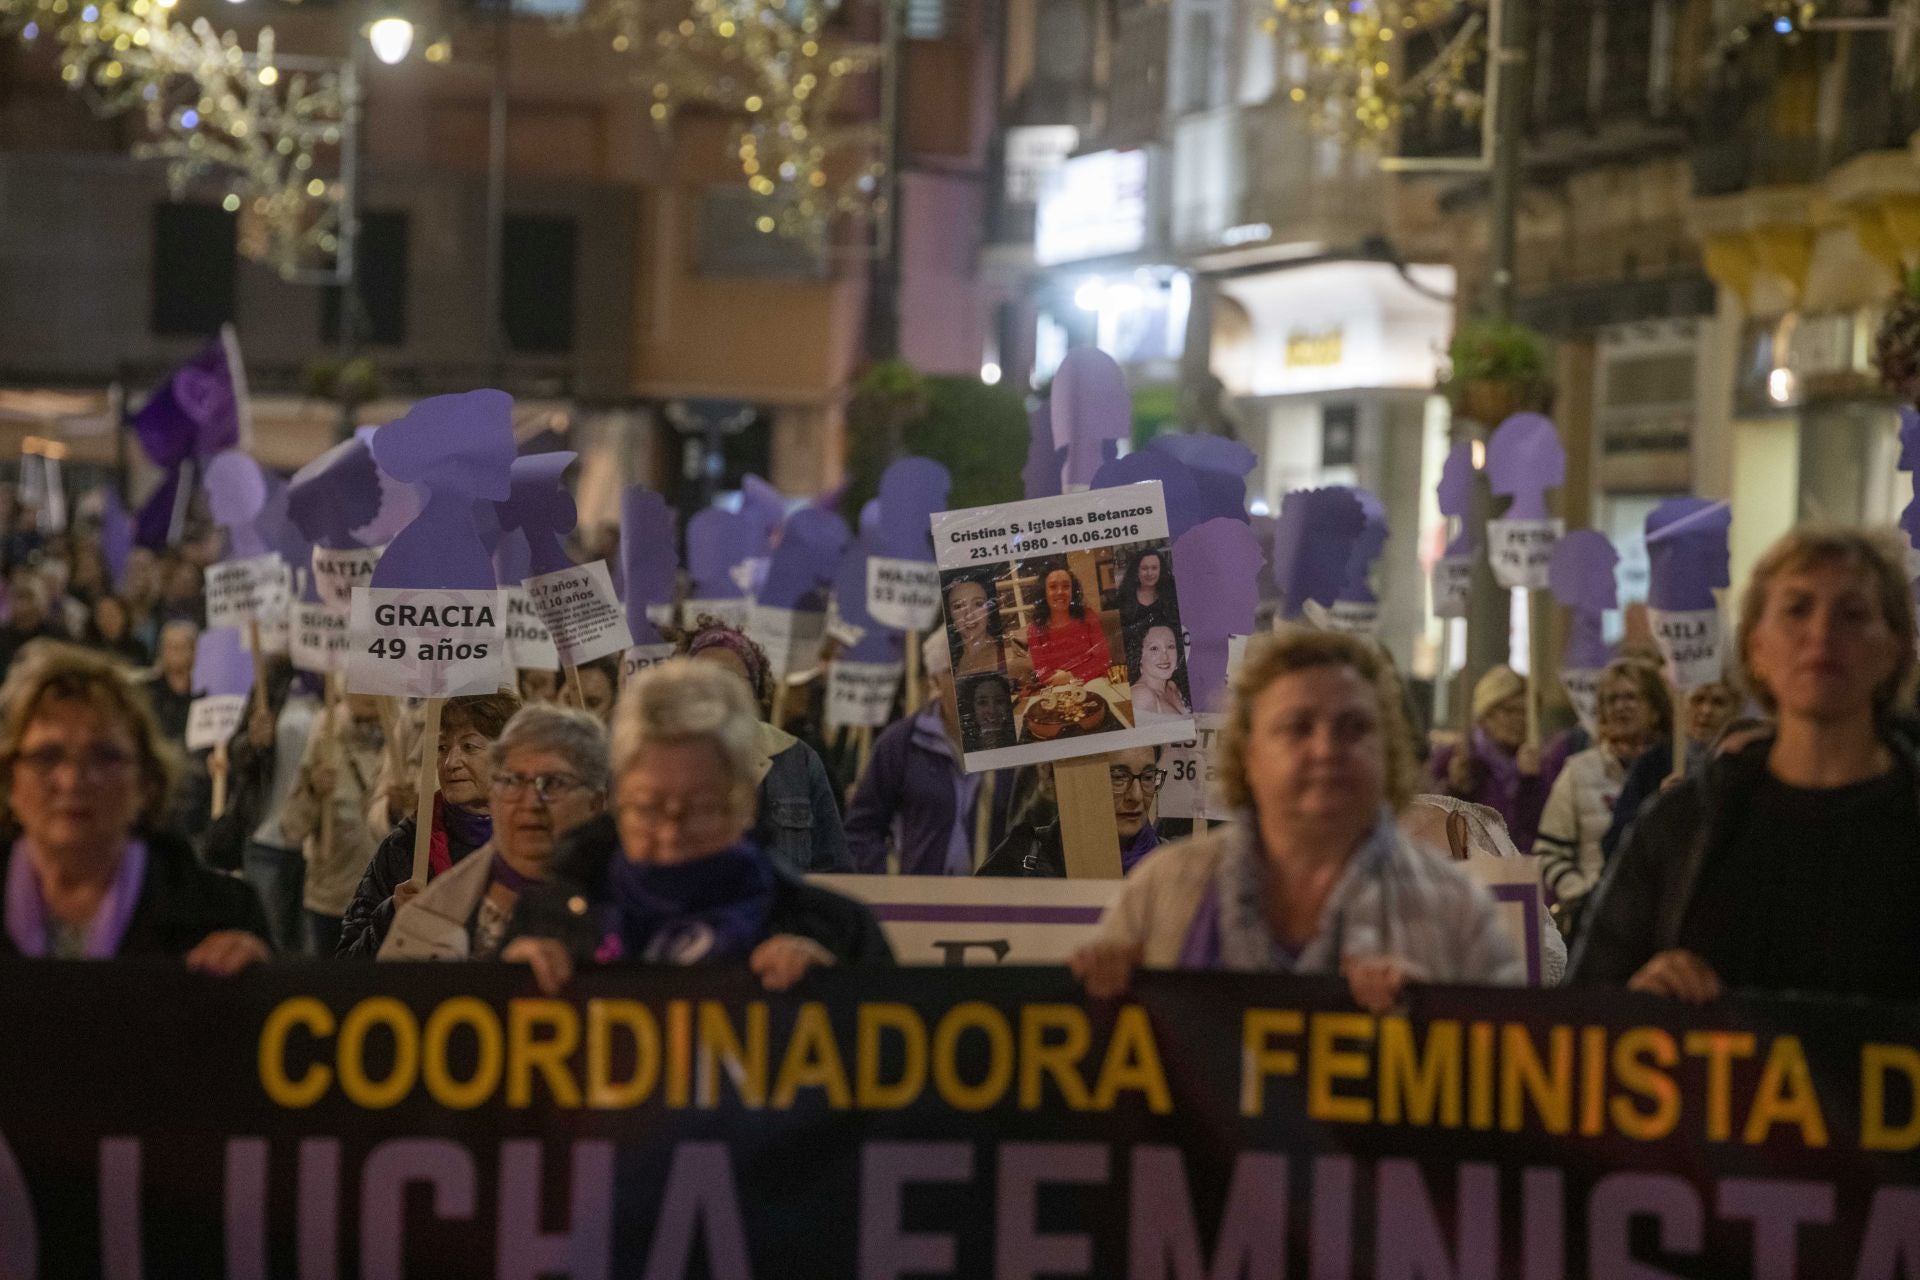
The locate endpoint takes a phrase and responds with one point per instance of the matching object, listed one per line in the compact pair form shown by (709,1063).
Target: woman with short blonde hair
(1792,864)
(1314,876)
(87,872)
(673,874)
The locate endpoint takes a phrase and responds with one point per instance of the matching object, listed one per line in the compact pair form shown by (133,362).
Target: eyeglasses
(656,813)
(511,786)
(1621,698)
(95,762)
(1149,779)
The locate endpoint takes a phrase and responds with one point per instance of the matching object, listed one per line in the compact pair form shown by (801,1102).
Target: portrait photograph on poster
(1064,626)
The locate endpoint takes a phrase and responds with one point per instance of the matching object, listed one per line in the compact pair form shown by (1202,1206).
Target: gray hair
(682,700)
(565,731)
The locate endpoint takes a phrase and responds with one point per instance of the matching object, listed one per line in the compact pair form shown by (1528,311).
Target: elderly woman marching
(86,874)
(1792,864)
(1315,877)
(672,875)
(549,776)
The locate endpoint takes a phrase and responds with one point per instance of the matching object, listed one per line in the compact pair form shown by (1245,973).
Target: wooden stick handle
(1088,833)
(429,783)
(983,821)
(573,684)
(1533,669)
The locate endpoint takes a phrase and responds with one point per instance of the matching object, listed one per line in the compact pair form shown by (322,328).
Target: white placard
(529,647)
(1452,586)
(583,615)
(642,656)
(728,611)
(1346,616)
(244,591)
(1689,640)
(790,637)
(427,644)
(1583,693)
(1187,787)
(845,633)
(662,615)
(904,594)
(212,721)
(337,573)
(1520,551)
(1078,700)
(861,693)
(320,638)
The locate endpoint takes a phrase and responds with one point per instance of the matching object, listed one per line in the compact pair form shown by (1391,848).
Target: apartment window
(537,283)
(926,19)
(195,269)
(1339,435)
(380,283)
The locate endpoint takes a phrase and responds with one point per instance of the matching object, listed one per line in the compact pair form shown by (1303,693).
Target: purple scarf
(28,923)
(713,909)
(1144,842)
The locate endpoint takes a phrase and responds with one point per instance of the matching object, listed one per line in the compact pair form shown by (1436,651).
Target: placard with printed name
(212,721)
(1050,662)
(337,572)
(244,591)
(1187,787)
(320,638)
(641,656)
(582,613)
(1583,695)
(529,647)
(422,643)
(862,693)
(1452,586)
(728,611)
(1521,551)
(1689,640)
(790,637)
(904,594)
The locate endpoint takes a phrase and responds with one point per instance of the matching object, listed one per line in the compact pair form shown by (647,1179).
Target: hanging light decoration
(216,113)
(778,69)
(1357,64)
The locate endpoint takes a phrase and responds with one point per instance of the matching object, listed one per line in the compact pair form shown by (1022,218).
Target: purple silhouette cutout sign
(1177,482)
(1313,545)
(1045,459)
(1581,579)
(1455,496)
(877,642)
(1910,463)
(1357,586)
(222,667)
(1687,558)
(236,491)
(1091,411)
(1219,566)
(912,490)
(539,508)
(1219,466)
(717,541)
(457,448)
(803,564)
(1524,460)
(336,494)
(648,565)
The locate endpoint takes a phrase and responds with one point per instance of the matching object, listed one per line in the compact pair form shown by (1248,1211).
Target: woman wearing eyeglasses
(1315,876)
(672,876)
(549,777)
(84,871)
(1031,850)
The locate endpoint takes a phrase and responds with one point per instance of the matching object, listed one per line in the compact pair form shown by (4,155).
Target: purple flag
(1219,568)
(539,507)
(1313,543)
(460,450)
(649,567)
(1177,482)
(1524,460)
(912,490)
(1045,459)
(195,412)
(1091,411)
(1687,553)
(1581,577)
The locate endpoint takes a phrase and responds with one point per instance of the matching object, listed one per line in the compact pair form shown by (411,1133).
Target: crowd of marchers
(576,824)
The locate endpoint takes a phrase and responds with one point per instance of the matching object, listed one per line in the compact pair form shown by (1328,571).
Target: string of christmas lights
(1356,74)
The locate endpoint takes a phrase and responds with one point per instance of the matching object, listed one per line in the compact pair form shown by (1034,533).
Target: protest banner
(439,1120)
(641,656)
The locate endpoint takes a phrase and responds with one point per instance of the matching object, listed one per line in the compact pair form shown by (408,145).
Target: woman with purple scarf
(86,873)
(672,875)
(1315,876)
(1496,767)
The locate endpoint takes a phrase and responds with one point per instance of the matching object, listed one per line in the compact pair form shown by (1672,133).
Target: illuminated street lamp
(391,39)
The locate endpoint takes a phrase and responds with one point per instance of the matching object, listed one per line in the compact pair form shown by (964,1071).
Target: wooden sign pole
(914,694)
(429,783)
(1534,648)
(1088,834)
(330,752)
(573,684)
(1679,770)
(983,821)
(217,770)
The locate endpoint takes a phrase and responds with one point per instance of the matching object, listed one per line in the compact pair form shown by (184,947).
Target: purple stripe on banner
(1527,898)
(957,913)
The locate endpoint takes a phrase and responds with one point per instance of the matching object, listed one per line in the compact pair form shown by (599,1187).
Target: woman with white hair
(671,875)
(549,776)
